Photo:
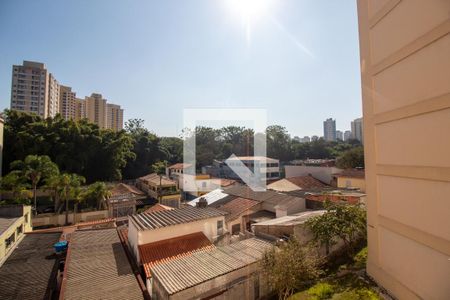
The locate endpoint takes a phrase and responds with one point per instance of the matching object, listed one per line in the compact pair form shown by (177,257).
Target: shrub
(361,258)
(320,291)
(357,294)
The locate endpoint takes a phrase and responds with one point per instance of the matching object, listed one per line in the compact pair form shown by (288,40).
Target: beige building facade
(67,103)
(34,89)
(96,109)
(405,69)
(114,117)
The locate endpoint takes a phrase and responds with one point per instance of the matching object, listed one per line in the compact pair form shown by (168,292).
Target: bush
(359,294)
(361,258)
(320,291)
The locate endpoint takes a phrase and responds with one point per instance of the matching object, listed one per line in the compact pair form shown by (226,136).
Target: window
(219,227)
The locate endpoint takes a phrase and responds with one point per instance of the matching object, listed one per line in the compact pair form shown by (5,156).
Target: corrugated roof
(179,166)
(158,207)
(210,197)
(296,219)
(124,189)
(156,179)
(185,214)
(27,273)
(237,206)
(161,251)
(98,268)
(185,272)
(268,196)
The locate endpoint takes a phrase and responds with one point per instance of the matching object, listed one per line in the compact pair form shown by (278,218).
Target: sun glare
(250,9)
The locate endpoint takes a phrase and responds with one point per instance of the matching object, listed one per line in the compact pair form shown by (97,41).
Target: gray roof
(5,223)
(28,271)
(182,273)
(268,196)
(98,268)
(186,214)
(210,197)
(292,220)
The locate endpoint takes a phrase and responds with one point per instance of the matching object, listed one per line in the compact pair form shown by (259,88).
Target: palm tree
(34,168)
(53,184)
(15,184)
(99,192)
(70,189)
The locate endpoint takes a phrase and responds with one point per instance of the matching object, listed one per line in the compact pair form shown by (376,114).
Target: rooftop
(210,197)
(182,273)
(158,207)
(237,206)
(98,268)
(164,218)
(27,272)
(179,166)
(268,196)
(296,219)
(124,189)
(353,173)
(244,158)
(162,251)
(156,179)
(307,182)
(5,223)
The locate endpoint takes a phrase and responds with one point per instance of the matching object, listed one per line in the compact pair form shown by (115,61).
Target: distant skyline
(299,59)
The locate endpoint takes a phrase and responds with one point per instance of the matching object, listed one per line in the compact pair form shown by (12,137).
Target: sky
(298,59)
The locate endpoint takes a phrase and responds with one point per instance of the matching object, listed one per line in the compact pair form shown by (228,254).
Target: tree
(279,143)
(70,189)
(291,267)
(353,158)
(19,188)
(97,192)
(341,221)
(35,168)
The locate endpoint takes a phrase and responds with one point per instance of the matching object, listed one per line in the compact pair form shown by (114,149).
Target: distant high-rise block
(347,135)
(339,135)
(114,117)
(96,110)
(34,89)
(357,130)
(329,130)
(67,103)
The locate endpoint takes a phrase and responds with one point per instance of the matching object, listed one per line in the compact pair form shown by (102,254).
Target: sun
(250,9)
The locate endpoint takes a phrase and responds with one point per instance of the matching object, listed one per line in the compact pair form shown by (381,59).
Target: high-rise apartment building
(34,89)
(339,135)
(405,70)
(347,135)
(80,109)
(114,117)
(358,130)
(329,130)
(67,103)
(96,110)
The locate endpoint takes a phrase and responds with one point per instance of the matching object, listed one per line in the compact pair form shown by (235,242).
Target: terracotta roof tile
(179,166)
(237,206)
(123,189)
(162,251)
(353,173)
(307,182)
(158,207)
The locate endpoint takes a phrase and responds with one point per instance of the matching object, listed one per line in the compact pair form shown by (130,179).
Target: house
(152,227)
(158,207)
(211,197)
(30,271)
(324,174)
(287,226)
(228,272)
(268,166)
(161,188)
(197,185)
(239,209)
(97,267)
(296,183)
(123,200)
(351,178)
(14,221)
(152,254)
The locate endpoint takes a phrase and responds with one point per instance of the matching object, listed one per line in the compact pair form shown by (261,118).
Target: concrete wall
(60,219)
(349,182)
(405,70)
(135,237)
(324,174)
(24,222)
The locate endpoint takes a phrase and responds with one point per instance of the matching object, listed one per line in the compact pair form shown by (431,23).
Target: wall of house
(60,219)
(25,223)
(347,182)
(405,70)
(324,174)
(207,226)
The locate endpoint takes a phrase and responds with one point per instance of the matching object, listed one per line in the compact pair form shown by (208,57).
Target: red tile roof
(179,166)
(158,207)
(162,251)
(352,173)
(307,182)
(237,206)
(122,189)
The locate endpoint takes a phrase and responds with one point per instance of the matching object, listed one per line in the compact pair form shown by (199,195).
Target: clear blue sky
(155,58)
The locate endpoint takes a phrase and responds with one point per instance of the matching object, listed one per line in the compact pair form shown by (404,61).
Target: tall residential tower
(329,129)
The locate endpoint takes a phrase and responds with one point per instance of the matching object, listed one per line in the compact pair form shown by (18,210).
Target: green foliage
(76,147)
(320,291)
(289,268)
(353,158)
(159,167)
(356,294)
(17,185)
(360,258)
(96,194)
(341,221)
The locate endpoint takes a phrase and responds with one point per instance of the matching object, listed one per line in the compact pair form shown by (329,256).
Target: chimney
(202,203)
